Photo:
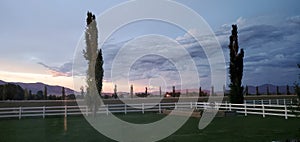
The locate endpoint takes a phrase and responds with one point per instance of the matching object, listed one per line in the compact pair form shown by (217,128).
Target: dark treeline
(11,91)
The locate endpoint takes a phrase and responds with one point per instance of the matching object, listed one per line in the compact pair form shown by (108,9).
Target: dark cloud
(271,52)
(63,70)
(152,66)
(294,20)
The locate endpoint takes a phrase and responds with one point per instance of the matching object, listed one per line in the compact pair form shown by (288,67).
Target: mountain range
(57,90)
(262,89)
(34,87)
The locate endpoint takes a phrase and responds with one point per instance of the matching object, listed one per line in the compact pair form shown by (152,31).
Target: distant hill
(56,90)
(251,90)
(2,82)
(34,87)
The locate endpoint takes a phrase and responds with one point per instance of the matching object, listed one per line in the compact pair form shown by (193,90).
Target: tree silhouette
(277,90)
(236,68)
(63,93)
(95,62)
(4,92)
(39,95)
(115,95)
(159,91)
(131,90)
(45,92)
(99,72)
(26,94)
(297,88)
(200,91)
(11,91)
(288,90)
(30,95)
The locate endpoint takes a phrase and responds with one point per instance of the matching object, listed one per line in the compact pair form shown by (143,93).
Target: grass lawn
(236,128)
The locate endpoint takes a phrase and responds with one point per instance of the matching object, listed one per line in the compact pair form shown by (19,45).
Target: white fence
(272,101)
(245,109)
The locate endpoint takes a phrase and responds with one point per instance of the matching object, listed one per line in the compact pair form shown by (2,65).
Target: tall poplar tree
(45,92)
(236,68)
(95,62)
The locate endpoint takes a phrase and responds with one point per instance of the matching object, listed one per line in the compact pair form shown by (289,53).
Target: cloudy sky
(39,38)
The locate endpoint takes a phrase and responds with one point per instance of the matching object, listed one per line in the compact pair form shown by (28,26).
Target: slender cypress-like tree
(115,95)
(200,92)
(30,95)
(4,92)
(95,62)
(90,53)
(63,93)
(99,71)
(236,68)
(297,88)
(45,92)
(159,91)
(257,91)
(82,91)
(131,91)
(288,90)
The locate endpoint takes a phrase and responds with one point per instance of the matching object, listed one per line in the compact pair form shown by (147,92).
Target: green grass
(237,128)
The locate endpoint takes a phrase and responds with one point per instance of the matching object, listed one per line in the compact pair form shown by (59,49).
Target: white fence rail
(245,109)
(272,101)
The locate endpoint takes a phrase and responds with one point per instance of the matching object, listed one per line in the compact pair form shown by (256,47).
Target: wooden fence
(265,108)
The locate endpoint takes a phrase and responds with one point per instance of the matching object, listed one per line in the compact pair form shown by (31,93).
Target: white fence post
(263,108)
(285,112)
(245,105)
(270,102)
(86,111)
(284,103)
(277,101)
(107,109)
(229,106)
(291,101)
(44,111)
(125,108)
(143,108)
(159,108)
(253,102)
(20,112)
(196,105)
(66,110)
(191,104)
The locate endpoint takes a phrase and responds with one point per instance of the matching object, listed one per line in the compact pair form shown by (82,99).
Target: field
(235,128)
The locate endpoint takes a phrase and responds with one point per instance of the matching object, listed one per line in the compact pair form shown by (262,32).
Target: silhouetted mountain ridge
(262,89)
(34,87)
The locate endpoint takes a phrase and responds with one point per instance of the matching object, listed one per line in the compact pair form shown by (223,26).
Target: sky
(38,40)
